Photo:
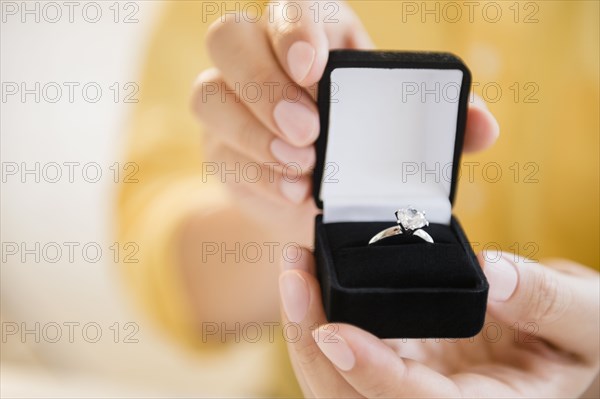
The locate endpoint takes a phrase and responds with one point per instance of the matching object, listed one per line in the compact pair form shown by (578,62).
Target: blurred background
(68,287)
(70,78)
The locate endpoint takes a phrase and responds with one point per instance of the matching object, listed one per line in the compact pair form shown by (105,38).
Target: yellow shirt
(536,192)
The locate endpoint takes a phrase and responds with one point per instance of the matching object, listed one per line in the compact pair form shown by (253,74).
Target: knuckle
(282,28)
(220,27)
(253,139)
(380,389)
(284,31)
(221,30)
(547,299)
(262,74)
(206,87)
(379,385)
(307,354)
(248,137)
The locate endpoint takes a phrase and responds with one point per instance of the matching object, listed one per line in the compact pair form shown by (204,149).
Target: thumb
(374,370)
(562,305)
(301,34)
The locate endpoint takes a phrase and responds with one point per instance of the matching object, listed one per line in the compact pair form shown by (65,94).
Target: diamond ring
(410,221)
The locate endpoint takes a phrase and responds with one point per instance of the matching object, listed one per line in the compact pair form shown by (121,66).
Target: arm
(170,210)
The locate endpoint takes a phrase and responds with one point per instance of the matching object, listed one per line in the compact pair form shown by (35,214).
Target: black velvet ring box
(392,128)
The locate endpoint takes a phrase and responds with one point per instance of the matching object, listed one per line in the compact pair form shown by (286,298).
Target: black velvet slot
(402,261)
(409,266)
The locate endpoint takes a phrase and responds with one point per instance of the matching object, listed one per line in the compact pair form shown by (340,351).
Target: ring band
(410,221)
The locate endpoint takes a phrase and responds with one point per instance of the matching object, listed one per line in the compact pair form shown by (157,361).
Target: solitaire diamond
(411,219)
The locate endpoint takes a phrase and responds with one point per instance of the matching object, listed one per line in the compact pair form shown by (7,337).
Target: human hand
(544,340)
(278,58)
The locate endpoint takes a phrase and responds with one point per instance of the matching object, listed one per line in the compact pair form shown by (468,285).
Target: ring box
(392,129)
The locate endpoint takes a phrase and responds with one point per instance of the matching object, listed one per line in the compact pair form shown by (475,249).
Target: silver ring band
(389,232)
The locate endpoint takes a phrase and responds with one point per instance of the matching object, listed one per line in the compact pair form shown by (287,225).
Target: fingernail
(300,59)
(294,296)
(490,123)
(297,122)
(494,126)
(334,348)
(482,105)
(288,154)
(502,277)
(294,191)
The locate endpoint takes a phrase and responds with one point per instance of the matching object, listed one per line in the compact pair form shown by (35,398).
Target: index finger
(241,51)
(302,33)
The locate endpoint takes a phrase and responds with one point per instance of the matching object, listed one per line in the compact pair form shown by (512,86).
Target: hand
(544,340)
(267,63)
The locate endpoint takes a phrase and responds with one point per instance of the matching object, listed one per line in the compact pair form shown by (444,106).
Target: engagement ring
(410,221)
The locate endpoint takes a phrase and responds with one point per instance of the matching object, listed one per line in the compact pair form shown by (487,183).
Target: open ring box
(392,129)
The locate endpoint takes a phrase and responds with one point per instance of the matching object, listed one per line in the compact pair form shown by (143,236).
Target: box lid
(392,129)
